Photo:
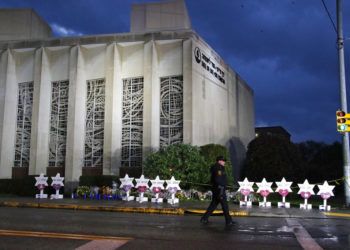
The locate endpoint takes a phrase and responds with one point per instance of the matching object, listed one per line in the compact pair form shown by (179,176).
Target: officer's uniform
(219,183)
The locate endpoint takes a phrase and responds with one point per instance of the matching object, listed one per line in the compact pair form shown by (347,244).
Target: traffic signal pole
(343,100)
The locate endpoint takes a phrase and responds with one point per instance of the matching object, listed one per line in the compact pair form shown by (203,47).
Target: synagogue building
(96,104)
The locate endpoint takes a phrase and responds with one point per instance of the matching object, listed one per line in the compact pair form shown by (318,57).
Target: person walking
(219,183)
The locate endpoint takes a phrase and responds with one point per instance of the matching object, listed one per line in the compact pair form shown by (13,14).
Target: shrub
(210,152)
(97,180)
(182,161)
(188,163)
(21,187)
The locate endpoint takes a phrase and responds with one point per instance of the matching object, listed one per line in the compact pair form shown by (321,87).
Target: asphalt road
(27,228)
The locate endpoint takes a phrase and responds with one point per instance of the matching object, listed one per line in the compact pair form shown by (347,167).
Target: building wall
(222,103)
(215,110)
(22,24)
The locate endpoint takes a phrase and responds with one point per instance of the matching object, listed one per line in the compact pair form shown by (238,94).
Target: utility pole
(343,101)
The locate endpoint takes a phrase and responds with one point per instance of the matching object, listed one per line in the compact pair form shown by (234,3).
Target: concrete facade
(22,24)
(128,73)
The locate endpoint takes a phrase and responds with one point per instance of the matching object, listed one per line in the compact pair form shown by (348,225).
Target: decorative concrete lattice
(24,124)
(171,110)
(94,130)
(132,122)
(58,123)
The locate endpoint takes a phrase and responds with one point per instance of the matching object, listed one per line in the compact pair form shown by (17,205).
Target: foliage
(273,157)
(324,162)
(190,164)
(21,187)
(97,180)
(182,161)
(210,152)
(83,190)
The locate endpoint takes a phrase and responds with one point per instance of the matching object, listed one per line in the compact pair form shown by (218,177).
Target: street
(27,228)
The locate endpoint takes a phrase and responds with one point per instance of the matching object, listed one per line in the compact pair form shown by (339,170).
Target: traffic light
(343,121)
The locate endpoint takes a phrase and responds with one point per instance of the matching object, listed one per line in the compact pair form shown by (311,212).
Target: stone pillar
(147,105)
(39,142)
(155,100)
(8,105)
(187,91)
(76,116)
(151,122)
(113,111)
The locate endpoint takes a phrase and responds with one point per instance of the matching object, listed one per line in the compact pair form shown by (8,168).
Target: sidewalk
(184,207)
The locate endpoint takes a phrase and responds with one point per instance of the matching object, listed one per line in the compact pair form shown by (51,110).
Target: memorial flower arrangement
(83,190)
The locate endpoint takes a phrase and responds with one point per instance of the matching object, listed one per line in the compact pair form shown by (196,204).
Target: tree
(182,161)
(273,157)
(325,163)
(190,164)
(210,152)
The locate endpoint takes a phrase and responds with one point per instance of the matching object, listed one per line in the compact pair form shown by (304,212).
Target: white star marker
(246,187)
(173,187)
(157,184)
(126,182)
(142,182)
(156,187)
(264,186)
(57,181)
(306,190)
(142,186)
(41,183)
(283,188)
(326,190)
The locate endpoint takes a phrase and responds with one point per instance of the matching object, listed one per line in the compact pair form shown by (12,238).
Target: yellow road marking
(233,213)
(60,235)
(336,214)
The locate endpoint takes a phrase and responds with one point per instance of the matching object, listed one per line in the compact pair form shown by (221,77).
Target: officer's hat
(220,158)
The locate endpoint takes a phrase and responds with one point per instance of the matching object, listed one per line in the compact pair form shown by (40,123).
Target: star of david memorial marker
(126,185)
(306,190)
(283,188)
(245,188)
(57,183)
(157,187)
(326,191)
(41,183)
(141,186)
(173,187)
(264,188)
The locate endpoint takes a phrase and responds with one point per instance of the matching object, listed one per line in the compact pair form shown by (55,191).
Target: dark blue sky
(285,49)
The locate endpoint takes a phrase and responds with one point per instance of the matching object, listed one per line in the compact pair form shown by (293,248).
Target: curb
(216,212)
(150,210)
(347,215)
(173,211)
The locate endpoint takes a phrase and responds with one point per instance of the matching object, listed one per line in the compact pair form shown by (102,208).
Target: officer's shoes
(204,221)
(230,224)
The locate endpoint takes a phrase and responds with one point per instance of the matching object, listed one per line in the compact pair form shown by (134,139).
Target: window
(132,122)
(24,124)
(171,110)
(58,123)
(94,129)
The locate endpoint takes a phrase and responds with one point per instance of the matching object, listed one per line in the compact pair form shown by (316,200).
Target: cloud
(59,30)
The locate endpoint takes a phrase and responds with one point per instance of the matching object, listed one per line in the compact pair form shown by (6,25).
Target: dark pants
(217,198)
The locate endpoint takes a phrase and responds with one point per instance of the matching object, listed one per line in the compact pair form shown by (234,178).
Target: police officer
(219,183)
